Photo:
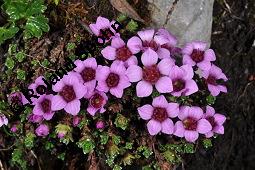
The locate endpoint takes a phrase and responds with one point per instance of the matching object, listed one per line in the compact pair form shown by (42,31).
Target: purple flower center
(68,93)
(178,85)
(159,114)
(46,105)
(16,99)
(211,80)
(123,53)
(152,44)
(197,55)
(190,124)
(151,74)
(107,33)
(96,101)
(112,80)
(88,74)
(211,120)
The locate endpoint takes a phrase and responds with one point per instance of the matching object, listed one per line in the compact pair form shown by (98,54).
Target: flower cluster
(146,61)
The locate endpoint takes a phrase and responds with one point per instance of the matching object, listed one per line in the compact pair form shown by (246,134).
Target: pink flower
(42,130)
(195,53)
(14,128)
(192,123)
(149,40)
(17,98)
(97,102)
(212,76)
(38,83)
(183,84)
(70,90)
(119,51)
(158,115)
(87,70)
(103,24)
(112,79)
(3,120)
(151,74)
(35,118)
(100,124)
(43,107)
(76,121)
(216,120)
(172,40)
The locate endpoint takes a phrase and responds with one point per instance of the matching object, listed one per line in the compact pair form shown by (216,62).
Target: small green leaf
(207,143)
(21,74)
(210,99)
(7,33)
(9,63)
(132,26)
(117,167)
(20,56)
(87,145)
(70,46)
(29,140)
(121,18)
(121,122)
(62,156)
(45,63)
(35,26)
(188,148)
(116,139)
(104,138)
(147,152)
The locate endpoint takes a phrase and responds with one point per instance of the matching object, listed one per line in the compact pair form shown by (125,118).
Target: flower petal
(184,112)
(165,66)
(146,35)
(92,111)
(187,60)
(167,126)
(145,111)
(109,53)
(195,112)
(154,127)
(134,44)
(37,110)
(219,130)
(80,90)
(214,90)
(134,73)
(191,136)
(73,107)
(204,65)
(173,109)
(143,89)
(102,86)
(117,92)
(117,42)
(118,67)
(58,86)
(179,129)
(189,72)
(149,57)
(210,55)
(176,73)
(102,72)
(219,118)
(163,53)
(191,87)
(90,62)
(164,85)
(199,45)
(131,61)
(209,111)
(102,22)
(204,126)
(57,103)
(160,101)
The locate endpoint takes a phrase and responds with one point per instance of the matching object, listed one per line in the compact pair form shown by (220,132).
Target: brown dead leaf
(124,7)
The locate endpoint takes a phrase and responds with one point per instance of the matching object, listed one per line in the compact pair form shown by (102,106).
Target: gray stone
(190,19)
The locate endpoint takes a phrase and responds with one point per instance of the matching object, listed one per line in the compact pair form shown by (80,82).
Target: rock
(190,20)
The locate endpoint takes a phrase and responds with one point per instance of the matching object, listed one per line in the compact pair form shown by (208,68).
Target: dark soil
(233,40)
